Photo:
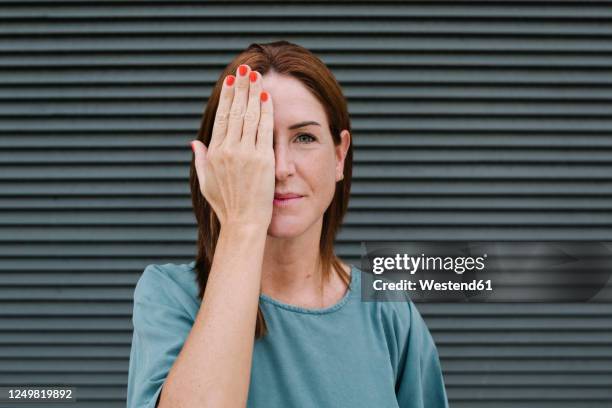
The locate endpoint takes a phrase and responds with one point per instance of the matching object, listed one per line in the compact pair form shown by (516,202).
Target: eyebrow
(303,124)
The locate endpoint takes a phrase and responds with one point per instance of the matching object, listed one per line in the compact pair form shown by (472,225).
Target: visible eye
(305,138)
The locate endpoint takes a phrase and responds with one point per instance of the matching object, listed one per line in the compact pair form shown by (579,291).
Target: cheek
(320,173)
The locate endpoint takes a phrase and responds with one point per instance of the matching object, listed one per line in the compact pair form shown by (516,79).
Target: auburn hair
(296,61)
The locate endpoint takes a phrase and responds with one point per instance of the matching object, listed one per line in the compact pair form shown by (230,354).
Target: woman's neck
(292,271)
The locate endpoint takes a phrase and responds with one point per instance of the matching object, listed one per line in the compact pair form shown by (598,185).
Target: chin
(285,227)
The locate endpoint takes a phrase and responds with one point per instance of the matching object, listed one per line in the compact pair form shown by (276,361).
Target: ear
(341,150)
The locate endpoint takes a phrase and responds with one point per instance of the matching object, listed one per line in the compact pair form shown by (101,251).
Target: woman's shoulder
(396,307)
(167,283)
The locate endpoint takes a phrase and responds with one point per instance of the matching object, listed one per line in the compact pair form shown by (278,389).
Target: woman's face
(307,162)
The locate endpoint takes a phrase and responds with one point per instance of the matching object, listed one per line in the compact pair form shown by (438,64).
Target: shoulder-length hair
(296,61)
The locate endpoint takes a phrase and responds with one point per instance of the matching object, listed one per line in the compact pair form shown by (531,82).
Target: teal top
(352,354)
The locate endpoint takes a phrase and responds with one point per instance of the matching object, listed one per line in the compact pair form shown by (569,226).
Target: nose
(284,165)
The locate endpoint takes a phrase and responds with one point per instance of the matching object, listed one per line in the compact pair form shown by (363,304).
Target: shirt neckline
(329,309)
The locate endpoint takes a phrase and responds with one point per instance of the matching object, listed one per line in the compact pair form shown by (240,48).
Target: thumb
(200,151)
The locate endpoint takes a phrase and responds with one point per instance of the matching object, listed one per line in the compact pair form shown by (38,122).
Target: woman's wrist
(244,228)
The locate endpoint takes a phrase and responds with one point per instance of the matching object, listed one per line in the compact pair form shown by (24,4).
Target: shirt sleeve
(161,326)
(420,382)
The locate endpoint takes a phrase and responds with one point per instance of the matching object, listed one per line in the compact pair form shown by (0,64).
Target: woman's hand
(236,171)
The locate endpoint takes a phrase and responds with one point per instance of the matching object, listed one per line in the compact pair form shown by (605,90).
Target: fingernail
(230,80)
(192,146)
(263,96)
(242,70)
(253,76)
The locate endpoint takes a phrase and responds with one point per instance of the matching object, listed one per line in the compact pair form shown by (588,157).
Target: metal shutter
(472,120)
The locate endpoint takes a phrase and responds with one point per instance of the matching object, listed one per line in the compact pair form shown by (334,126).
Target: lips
(286,200)
(278,196)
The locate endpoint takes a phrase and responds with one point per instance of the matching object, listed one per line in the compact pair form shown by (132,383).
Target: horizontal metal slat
(406,172)
(169,218)
(45,338)
(64,351)
(91,307)
(109,9)
(198,75)
(154,140)
(584,338)
(357,202)
(540,366)
(520,352)
(456,124)
(58,324)
(361,156)
(488,380)
(539,393)
(382,189)
(525,351)
(545,109)
(332,60)
(98,381)
(552,402)
(186,235)
(207,25)
(353,91)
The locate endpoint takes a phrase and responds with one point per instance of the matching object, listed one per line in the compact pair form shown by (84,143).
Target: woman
(274,319)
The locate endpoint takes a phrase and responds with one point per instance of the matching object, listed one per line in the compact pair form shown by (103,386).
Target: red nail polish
(242,70)
(263,96)
(230,80)
(253,76)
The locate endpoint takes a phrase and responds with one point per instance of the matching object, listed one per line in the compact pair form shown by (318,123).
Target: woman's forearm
(214,366)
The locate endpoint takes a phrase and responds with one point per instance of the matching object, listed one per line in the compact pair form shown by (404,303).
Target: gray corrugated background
(476,121)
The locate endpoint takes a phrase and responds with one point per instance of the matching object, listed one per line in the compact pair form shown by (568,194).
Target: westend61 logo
(414,264)
(487,271)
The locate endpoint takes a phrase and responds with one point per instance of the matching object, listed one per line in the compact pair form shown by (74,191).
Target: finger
(200,151)
(251,117)
(238,108)
(223,109)
(265,139)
